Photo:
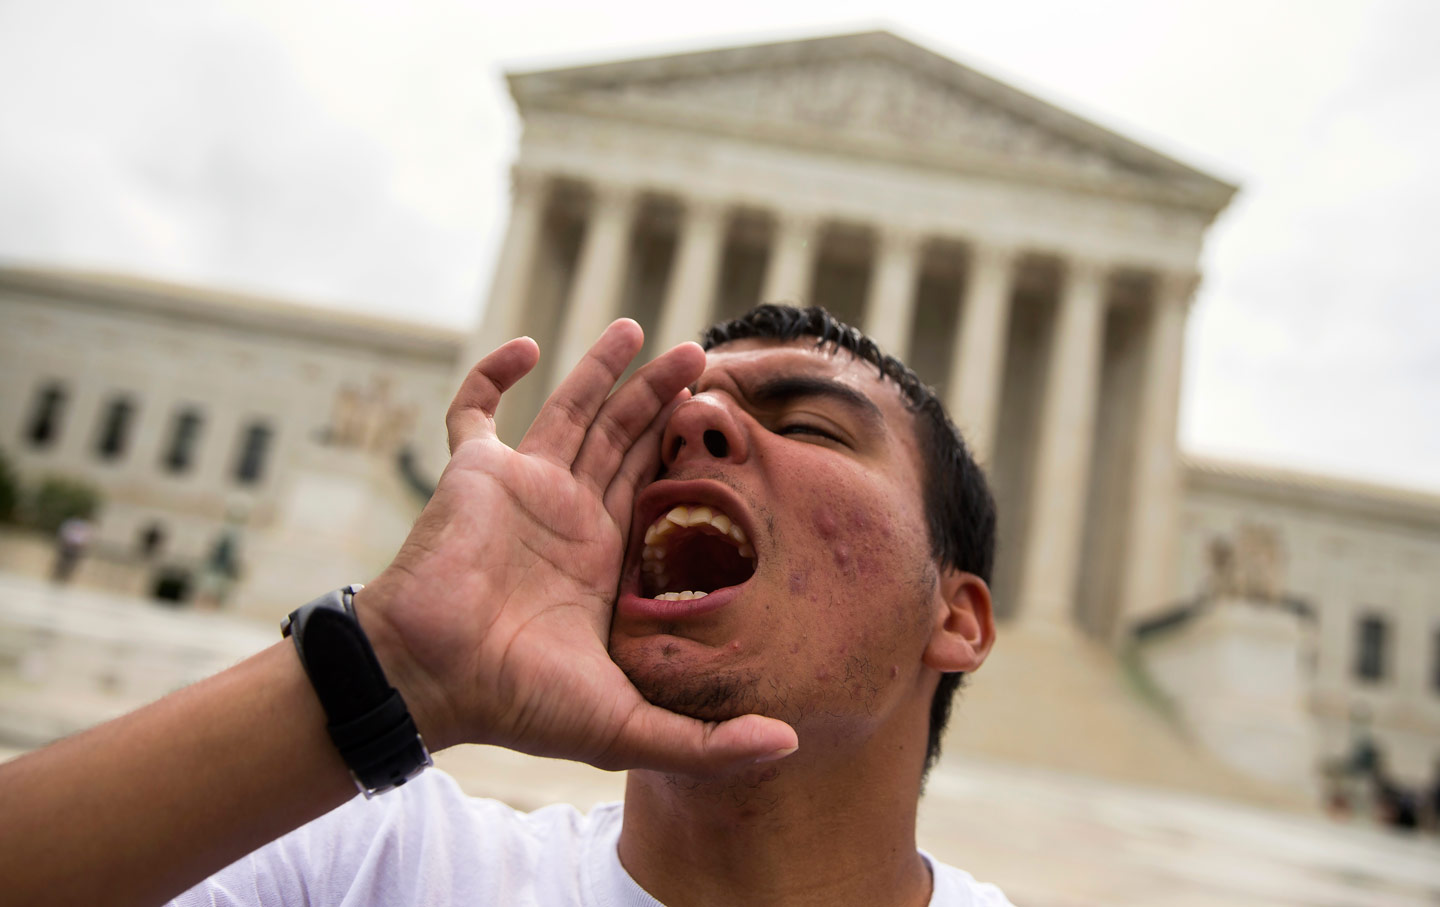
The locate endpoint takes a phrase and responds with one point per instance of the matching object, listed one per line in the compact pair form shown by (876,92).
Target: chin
(708,695)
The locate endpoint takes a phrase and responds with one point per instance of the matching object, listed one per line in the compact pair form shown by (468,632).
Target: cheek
(799,582)
(860,542)
(871,577)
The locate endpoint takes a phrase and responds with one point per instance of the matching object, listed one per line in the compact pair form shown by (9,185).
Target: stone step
(1054,699)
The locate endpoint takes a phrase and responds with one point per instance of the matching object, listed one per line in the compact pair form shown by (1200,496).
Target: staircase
(1051,698)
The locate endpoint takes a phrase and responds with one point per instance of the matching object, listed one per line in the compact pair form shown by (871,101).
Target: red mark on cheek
(798,582)
(735,645)
(825,523)
(894,671)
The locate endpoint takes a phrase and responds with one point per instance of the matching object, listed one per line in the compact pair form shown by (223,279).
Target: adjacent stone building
(1362,563)
(198,414)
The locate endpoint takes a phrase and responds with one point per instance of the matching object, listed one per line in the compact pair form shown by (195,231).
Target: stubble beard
(708,697)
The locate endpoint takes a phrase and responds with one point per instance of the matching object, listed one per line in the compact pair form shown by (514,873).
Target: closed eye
(802,429)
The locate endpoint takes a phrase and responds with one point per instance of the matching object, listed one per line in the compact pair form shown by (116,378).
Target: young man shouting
(753,575)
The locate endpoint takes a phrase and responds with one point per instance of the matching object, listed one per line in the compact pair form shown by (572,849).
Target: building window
(254,448)
(184,438)
(1435,661)
(1371,654)
(44,427)
(115,429)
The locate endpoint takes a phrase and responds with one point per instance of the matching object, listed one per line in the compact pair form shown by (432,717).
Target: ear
(964,628)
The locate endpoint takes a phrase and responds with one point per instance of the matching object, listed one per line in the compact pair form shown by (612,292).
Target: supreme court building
(1034,267)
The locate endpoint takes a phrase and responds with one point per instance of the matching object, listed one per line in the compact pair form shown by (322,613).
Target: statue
(1251,567)
(369,420)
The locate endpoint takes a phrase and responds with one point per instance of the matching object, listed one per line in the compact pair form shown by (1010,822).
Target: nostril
(715,443)
(675,447)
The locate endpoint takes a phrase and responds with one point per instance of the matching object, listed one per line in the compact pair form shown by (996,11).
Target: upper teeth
(653,554)
(693,516)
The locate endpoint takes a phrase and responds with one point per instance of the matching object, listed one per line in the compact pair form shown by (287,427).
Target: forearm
(141,808)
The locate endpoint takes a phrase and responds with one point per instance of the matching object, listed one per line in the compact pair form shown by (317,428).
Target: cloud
(209,159)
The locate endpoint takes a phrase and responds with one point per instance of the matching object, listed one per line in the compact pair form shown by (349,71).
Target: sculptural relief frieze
(871,100)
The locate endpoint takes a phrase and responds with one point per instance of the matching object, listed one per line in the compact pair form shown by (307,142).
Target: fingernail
(777,754)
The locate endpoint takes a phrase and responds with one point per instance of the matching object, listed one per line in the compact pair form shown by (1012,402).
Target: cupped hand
(494,617)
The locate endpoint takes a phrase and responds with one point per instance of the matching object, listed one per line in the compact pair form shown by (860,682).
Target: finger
(657,739)
(639,466)
(630,411)
(559,429)
(472,412)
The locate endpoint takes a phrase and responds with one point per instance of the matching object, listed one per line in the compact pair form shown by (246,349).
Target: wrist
(423,694)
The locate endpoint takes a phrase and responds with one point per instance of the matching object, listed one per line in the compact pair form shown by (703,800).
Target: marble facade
(322,386)
(1349,555)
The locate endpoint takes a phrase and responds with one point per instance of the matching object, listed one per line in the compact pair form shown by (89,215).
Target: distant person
(221,568)
(1365,756)
(71,542)
(754,575)
(152,541)
(1398,807)
(1432,801)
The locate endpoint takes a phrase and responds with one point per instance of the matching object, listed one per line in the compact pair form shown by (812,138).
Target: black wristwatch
(367,718)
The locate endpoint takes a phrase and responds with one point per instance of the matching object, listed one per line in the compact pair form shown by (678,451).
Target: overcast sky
(354,154)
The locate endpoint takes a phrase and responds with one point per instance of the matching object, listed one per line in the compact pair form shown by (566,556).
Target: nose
(704,428)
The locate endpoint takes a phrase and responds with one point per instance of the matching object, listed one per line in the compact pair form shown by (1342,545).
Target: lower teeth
(679,596)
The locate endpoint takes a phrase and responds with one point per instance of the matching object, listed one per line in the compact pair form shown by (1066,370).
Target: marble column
(1062,457)
(504,317)
(690,296)
(509,288)
(890,306)
(792,259)
(594,299)
(1153,520)
(977,360)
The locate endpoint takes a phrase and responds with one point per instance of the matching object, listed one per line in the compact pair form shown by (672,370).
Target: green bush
(9,489)
(57,500)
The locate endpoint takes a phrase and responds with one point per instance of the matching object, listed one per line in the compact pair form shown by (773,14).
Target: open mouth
(692,551)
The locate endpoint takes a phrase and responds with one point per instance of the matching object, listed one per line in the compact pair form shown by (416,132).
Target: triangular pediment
(869,94)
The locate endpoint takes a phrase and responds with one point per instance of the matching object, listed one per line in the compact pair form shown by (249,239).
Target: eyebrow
(789,388)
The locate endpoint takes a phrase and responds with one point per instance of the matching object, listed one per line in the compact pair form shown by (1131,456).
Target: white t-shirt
(429,843)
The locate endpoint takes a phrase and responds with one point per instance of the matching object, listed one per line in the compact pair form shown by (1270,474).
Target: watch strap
(367,719)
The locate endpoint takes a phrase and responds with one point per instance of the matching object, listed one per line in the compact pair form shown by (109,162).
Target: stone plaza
(69,657)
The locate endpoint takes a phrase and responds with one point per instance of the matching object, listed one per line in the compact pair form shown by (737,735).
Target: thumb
(659,739)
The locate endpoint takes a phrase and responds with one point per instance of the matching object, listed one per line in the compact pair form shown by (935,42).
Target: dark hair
(958,505)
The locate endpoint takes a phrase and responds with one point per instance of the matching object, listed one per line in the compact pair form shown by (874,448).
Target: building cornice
(1310,491)
(258,314)
(1154,176)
